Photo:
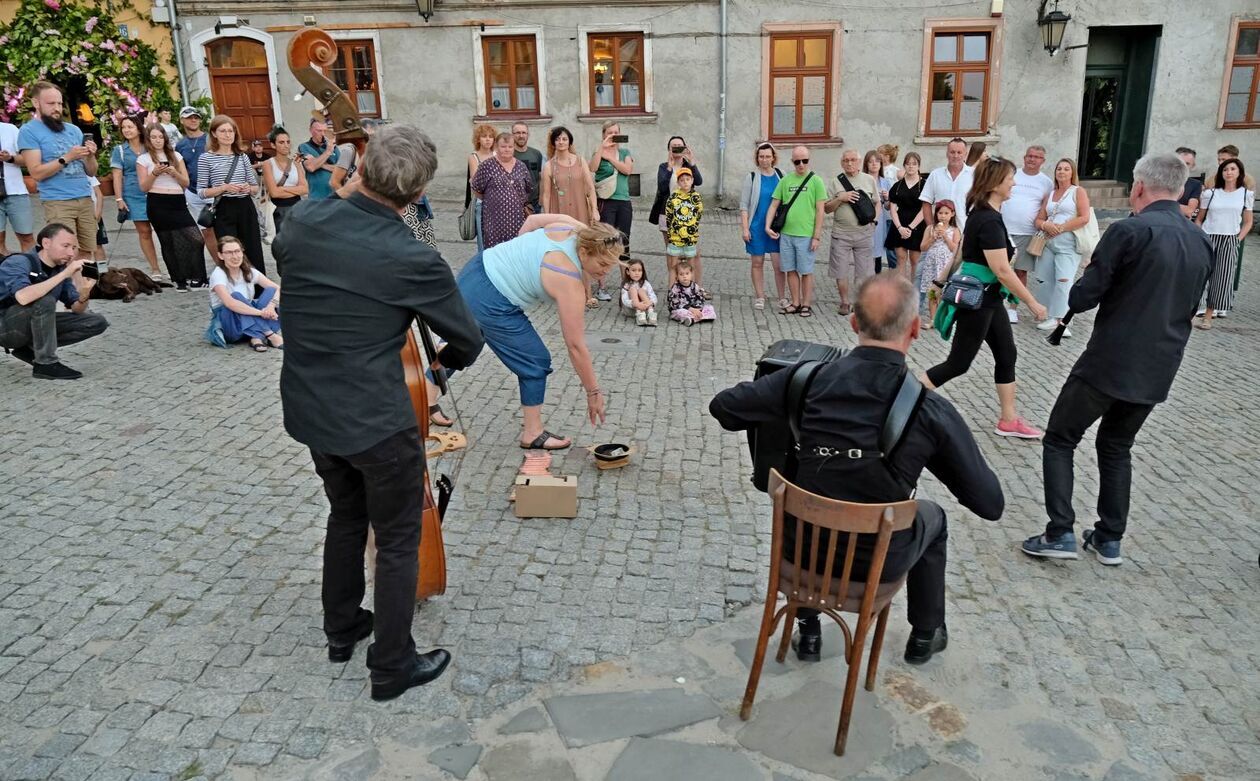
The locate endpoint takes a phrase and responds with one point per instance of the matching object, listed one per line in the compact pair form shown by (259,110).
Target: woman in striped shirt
(225,175)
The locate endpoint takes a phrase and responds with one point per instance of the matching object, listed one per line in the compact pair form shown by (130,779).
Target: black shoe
(921,646)
(428,667)
(181,287)
(196,284)
(808,641)
(55,371)
(24,354)
(342,653)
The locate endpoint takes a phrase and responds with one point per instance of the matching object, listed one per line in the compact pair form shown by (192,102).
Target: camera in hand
(621,139)
(94,269)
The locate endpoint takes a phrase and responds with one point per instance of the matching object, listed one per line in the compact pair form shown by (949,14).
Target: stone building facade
(1128,77)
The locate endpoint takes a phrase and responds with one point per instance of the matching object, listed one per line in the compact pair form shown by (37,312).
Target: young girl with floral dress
(688,303)
(940,242)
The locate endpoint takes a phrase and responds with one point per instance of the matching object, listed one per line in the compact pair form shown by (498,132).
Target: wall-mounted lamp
(228,23)
(1053,25)
(425,8)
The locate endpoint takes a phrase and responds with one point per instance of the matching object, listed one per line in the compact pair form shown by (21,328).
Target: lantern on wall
(1053,25)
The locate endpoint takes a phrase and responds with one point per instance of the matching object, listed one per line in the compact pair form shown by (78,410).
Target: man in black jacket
(1145,278)
(844,410)
(354,281)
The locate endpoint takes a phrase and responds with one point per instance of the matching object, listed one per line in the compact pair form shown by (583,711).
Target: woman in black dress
(905,236)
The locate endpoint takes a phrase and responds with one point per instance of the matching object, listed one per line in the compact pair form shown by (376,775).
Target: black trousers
(41,326)
(278,217)
(618,214)
(1078,406)
(923,563)
(989,325)
(238,217)
(381,487)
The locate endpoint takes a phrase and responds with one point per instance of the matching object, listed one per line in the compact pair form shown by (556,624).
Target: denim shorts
(15,212)
(795,254)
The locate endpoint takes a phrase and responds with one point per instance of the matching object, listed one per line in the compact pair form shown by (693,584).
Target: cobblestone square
(162,535)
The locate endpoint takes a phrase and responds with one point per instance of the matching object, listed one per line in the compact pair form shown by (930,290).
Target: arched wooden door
(240,84)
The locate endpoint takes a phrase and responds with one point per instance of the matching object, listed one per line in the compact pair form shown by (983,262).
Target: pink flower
(108,45)
(91,24)
(53,4)
(88,45)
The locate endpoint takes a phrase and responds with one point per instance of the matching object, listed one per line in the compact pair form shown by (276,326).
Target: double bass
(310,50)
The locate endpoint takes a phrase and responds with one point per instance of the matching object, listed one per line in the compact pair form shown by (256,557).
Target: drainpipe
(721,159)
(180,70)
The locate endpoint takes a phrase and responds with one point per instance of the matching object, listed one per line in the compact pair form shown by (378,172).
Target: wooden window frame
(512,112)
(344,47)
(989,109)
(617,36)
(1231,61)
(835,53)
(959,67)
(800,72)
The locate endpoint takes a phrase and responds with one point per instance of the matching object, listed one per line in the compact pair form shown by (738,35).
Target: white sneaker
(1223,313)
(1201,313)
(1067,333)
(1013,314)
(651,317)
(640,318)
(1049,324)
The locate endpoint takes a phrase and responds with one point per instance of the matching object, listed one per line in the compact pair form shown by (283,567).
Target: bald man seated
(844,411)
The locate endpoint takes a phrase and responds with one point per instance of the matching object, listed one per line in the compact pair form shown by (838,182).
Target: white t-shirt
(93,183)
(1020,210)
(890,172)
(164,184)
(1224,210)
(940,186)
(13,184)
(219,277)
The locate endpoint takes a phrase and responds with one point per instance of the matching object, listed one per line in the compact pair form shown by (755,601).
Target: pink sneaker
(1017,428)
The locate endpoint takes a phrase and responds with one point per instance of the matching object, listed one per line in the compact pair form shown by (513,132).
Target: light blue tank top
(515,267)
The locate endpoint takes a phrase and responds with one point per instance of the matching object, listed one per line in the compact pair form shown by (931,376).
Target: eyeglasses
(611,240)
(801,162)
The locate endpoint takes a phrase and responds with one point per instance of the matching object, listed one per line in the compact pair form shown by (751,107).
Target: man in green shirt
(803,195)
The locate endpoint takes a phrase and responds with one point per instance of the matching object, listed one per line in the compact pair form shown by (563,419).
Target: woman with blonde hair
(1064,210)
(549,261)
(505,188)
(483,149)
(888,157)
(225,176)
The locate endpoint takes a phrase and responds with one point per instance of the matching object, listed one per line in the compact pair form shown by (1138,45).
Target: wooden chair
(829,593)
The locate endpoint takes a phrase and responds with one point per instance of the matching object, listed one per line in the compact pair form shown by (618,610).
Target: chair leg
(877,644)
(850,687)
(759,658)
(789,623)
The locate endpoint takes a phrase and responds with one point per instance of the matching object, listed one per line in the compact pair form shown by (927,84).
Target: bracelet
(595,392)
(939,283)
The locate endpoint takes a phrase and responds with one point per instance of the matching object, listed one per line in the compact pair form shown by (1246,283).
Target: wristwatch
(62,160)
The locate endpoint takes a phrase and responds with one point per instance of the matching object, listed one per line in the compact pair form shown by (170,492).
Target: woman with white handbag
(1064,213)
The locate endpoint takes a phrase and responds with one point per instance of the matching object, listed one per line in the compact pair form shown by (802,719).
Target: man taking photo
(31,284)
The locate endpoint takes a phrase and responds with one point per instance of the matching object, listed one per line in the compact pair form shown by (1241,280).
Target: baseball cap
(188,111)
(684,172)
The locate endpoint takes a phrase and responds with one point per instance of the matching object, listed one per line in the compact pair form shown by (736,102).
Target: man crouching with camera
(842,415)
(31,284)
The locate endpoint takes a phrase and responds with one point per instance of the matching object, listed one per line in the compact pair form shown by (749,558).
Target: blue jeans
(507,331)
(1055,272)
(481,242)
(237,326)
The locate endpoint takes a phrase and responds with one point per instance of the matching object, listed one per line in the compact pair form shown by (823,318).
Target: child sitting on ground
(687,302)
(638,299)
(683,209)
(939,245)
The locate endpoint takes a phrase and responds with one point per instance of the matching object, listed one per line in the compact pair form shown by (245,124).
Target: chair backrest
(821,513)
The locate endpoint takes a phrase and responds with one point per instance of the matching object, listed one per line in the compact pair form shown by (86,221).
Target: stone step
(1109,203)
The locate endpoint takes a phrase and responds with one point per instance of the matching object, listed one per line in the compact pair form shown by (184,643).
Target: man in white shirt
(1019,211)
(951,181)
(15,202)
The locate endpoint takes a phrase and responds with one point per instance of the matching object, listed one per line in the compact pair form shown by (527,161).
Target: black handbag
(863,207)
(963,291)
(206,218)
(780,217)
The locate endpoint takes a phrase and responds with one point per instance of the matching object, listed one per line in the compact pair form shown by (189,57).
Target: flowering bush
(64,40)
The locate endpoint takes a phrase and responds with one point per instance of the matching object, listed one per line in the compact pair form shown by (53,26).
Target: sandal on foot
(805,311)
(436,412)
(257,346)
(790,309)
(273,344)
(540,442)
(844,310)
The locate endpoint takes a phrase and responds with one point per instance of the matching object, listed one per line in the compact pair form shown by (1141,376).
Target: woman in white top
(1064,210)
(284,178)
(1226,217)
(232,300)
(163,178)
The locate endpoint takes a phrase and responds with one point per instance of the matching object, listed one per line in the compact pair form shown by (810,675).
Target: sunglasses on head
(802,161)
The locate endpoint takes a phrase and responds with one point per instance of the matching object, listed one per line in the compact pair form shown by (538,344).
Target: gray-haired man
(354,281)
(1145,278)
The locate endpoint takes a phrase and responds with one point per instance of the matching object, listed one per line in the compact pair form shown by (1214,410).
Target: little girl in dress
(687,302)
(940,242)
(638,299)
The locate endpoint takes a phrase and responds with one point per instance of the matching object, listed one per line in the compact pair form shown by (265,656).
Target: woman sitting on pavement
(239,314)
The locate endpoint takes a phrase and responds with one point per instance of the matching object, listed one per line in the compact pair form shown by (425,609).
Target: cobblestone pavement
(159,589)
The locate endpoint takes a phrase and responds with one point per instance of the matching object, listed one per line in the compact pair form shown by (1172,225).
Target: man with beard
(60,160)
